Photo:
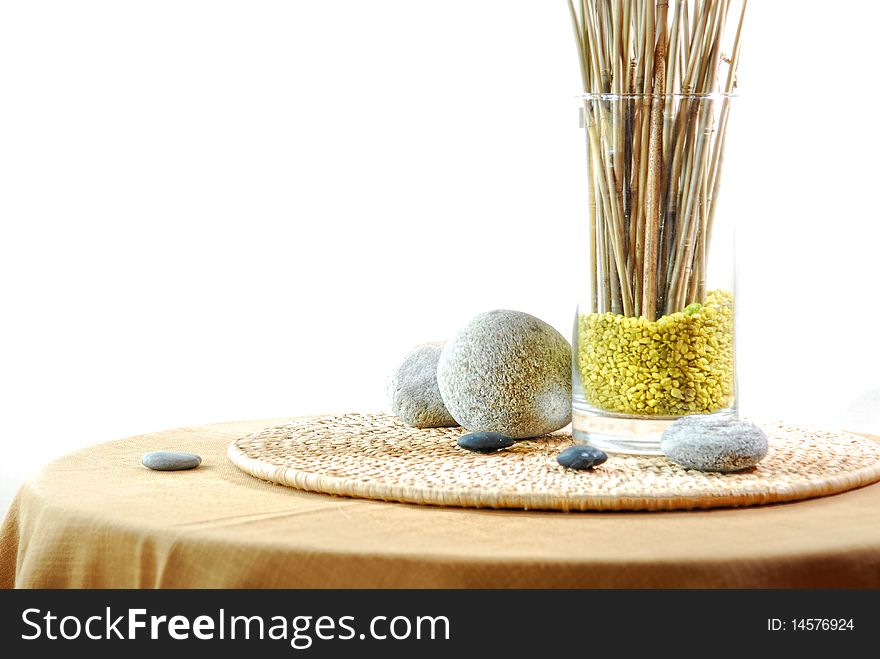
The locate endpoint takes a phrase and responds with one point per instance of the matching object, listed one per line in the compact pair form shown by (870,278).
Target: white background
(221,210)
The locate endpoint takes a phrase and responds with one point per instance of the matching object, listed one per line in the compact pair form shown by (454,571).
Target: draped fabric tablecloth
(98,519)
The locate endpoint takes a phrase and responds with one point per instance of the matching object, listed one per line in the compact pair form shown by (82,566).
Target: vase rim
(597,96)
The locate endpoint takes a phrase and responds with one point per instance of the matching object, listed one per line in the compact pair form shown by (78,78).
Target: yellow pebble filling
(678,364)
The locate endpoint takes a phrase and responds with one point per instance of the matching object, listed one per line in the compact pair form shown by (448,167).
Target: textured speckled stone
(170,460)
(507,372)
(709,443)
(413,391)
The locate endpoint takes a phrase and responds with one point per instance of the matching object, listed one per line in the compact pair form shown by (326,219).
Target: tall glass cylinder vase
(654,332)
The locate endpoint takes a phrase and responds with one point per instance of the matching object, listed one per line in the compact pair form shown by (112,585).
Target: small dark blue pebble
(581,457)
(485,442)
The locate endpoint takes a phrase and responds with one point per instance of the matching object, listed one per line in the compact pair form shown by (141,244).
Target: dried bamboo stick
(604,269)
(682,255)
(616,295)
(579,39)
(718,155)
(686,31)
(670,79)
(655,172)
(611,218)
(594,254)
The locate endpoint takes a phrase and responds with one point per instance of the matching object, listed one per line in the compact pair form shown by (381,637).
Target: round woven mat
(376,456)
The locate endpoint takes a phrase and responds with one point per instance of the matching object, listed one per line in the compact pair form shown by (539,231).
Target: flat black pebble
(485,442)
(581,457)
(170,460)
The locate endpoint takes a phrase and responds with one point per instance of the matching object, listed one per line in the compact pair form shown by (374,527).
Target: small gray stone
(709,443)
(170,460)
(507,372)
(413,391)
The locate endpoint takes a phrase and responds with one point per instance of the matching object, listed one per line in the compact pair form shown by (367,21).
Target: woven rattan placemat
(376,456)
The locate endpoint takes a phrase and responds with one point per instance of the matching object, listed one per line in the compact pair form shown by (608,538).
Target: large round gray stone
(413,391)
(508,372)
(709,443)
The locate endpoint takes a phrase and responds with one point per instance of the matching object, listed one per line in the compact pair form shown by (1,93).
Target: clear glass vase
(654,332)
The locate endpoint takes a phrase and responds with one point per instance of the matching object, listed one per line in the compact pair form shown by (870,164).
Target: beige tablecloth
(97,518)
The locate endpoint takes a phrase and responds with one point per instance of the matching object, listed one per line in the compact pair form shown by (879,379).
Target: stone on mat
(709,443)
(581,456)
(485,442)
(508,372)
(413,391)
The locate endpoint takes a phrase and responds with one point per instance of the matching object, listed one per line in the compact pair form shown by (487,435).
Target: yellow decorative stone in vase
(678,364)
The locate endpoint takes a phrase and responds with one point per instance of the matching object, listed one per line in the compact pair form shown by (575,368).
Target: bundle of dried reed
(655,138)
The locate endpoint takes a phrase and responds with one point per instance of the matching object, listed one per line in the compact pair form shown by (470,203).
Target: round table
(97,518)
